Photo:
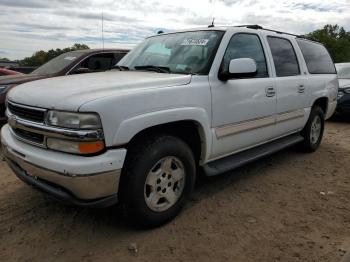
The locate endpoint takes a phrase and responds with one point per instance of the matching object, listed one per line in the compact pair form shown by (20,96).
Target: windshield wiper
(121,68)
(159,69)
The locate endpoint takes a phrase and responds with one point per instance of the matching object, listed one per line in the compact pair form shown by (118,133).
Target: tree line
(333,37)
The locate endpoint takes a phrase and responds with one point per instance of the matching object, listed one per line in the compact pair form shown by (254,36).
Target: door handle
(270,91)
(301,89)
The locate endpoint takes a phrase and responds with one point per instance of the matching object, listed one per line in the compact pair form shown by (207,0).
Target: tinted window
(96,63)
(284,57)
(100,62)
(317,58)
(118,57)
(246,46)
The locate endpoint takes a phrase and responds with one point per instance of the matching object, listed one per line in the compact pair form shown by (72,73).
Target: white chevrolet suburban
(208,99)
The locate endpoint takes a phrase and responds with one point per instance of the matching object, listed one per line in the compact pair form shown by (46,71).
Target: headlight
(73,120)
(340,94)
(82,148)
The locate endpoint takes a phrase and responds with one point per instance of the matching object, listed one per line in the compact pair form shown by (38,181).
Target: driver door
(243,109)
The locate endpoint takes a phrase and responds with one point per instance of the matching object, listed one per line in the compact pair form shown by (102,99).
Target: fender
(132,126)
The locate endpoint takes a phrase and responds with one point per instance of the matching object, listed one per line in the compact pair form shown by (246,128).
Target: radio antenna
(102,35)
(212,23)
(212,13)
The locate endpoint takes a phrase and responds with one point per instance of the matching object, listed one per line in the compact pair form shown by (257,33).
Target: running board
(233,161)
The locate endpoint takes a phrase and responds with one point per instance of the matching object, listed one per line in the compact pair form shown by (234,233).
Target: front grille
(29,136)
(27,113)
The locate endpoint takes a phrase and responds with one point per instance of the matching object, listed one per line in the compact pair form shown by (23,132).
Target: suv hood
(344,82)
(70,92)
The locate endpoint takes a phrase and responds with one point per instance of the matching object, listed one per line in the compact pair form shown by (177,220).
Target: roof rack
(257,27)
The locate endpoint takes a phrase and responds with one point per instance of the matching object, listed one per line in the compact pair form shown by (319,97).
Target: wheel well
(188,131)
(323,103)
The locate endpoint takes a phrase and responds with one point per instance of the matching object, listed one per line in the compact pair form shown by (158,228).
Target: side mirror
(82,70)
(239,68)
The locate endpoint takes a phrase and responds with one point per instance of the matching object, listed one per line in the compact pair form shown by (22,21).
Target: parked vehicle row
(209,99)
(70,63)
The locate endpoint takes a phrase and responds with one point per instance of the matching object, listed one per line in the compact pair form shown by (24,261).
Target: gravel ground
(288,207)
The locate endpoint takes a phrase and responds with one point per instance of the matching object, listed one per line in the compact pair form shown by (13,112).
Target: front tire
(313,130)
(158,177)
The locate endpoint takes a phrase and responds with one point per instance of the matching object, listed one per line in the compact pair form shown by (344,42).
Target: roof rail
(256,27)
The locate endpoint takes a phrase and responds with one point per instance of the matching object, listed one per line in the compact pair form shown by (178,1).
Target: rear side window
(285,60)
(247,46)
(317,58)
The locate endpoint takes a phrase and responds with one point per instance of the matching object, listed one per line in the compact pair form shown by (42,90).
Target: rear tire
(158,177)
(313,130)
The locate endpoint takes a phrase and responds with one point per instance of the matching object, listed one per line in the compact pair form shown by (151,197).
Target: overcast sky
(30,25)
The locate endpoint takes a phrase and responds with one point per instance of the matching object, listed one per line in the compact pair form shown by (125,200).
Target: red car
(8,72)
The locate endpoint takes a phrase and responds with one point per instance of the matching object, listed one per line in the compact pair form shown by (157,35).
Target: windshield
(343,71)
(57,64)
(181,53)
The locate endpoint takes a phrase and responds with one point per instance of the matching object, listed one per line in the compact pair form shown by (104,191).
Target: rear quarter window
(317,58)
(284,57)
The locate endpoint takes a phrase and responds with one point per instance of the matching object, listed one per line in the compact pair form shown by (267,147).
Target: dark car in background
(75,62)
(8,72)
(343,70)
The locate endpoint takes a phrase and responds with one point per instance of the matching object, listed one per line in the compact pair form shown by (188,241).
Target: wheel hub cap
(315,133)
(164,184)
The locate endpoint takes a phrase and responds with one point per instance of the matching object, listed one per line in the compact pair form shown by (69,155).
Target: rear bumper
(84,181)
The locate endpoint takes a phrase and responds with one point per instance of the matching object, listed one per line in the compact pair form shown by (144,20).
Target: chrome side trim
(282,117)
(233,129)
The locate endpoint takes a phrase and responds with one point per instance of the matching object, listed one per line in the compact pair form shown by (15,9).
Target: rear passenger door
(290,86)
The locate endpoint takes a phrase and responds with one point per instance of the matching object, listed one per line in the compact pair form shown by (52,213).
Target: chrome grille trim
(27,112)
(40,128)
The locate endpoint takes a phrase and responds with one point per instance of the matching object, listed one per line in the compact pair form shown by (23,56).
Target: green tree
(335,39)
(41,57)
(4,59)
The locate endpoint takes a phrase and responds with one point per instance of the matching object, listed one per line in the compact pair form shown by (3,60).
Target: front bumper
(84,181)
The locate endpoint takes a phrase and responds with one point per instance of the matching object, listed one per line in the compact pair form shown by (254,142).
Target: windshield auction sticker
(195,42)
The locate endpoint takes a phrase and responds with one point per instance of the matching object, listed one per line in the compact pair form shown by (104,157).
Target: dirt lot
(289,207)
